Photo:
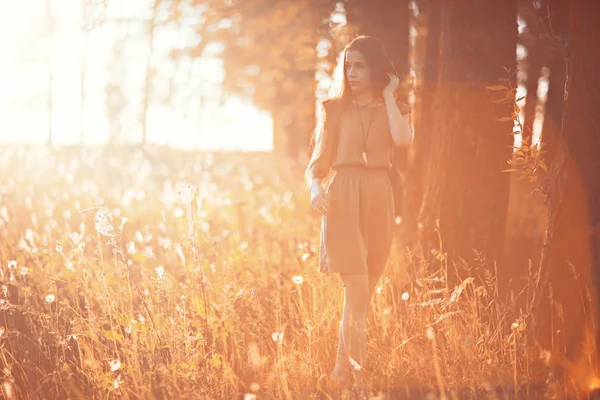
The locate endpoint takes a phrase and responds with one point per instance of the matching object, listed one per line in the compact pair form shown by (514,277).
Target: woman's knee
(356,294)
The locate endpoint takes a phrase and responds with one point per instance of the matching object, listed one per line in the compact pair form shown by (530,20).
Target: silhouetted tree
(465,187)
(571,253)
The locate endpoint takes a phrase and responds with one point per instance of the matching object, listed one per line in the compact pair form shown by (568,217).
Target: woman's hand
(392,86)
(318,199)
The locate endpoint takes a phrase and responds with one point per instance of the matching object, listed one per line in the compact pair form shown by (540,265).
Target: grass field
(122,281)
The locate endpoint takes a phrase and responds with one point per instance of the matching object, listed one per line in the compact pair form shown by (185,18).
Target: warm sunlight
(299,199)
(193,117)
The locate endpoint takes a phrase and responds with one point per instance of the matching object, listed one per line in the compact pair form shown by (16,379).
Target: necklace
(362,128)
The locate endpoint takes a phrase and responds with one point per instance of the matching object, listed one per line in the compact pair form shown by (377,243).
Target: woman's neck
(364,97)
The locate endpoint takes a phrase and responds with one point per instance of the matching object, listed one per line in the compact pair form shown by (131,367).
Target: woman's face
(358,71)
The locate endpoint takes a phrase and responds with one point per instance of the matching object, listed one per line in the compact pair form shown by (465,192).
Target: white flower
(114,365)
(297,279)
(50,298)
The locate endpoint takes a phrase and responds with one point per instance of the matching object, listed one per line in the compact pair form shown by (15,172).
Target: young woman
(358,131)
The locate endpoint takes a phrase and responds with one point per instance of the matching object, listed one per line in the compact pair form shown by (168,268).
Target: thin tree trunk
(535,61)
(82,89)
(556,14)
(571,253)
(50,22)
(148,81)
(466,189)
(532,38)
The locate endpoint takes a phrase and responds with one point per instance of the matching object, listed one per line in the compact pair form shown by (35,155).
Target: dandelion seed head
(24,271)
(379,289)
(148,252)
(405,296)
(187,193)
(50,298)
(103,222)
(297,280)
(12,264)
(160,271)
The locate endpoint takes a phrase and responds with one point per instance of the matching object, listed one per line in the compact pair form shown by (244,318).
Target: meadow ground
(120,280)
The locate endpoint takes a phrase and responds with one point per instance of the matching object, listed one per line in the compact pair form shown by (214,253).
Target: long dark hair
(376,57)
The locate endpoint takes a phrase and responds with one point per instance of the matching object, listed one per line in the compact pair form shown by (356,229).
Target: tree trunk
(426,94)
(572,241)
(557,30)
(148,74)
(535,41)
(465,186)
(50,104)
(388,20)
(534,61)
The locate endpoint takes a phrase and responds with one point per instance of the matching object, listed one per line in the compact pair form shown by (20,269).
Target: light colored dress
(357,232)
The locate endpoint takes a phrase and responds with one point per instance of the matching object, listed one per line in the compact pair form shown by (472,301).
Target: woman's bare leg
(352,342)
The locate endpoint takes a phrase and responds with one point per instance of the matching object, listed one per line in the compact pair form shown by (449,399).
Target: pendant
(364,156)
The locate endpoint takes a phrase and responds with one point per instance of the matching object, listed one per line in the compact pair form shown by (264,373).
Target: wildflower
(24,271)
(160,271)
(254,355)
(114,365)
(297,280)
(50,298)
(148,252)
(12,264)
(187,193)
(103,222)
(405,296)
(379,289)
(430,333)
(277,337)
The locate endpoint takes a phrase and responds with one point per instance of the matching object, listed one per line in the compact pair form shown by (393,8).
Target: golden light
(33,60)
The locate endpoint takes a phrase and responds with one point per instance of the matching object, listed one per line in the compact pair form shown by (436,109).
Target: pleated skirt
(358,230)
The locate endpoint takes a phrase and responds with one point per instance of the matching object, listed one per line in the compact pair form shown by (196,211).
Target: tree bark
(426,94)
(388,20)
(571,253)
(556,31)
(465,186)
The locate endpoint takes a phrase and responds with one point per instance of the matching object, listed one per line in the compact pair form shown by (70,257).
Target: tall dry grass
(162,274)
